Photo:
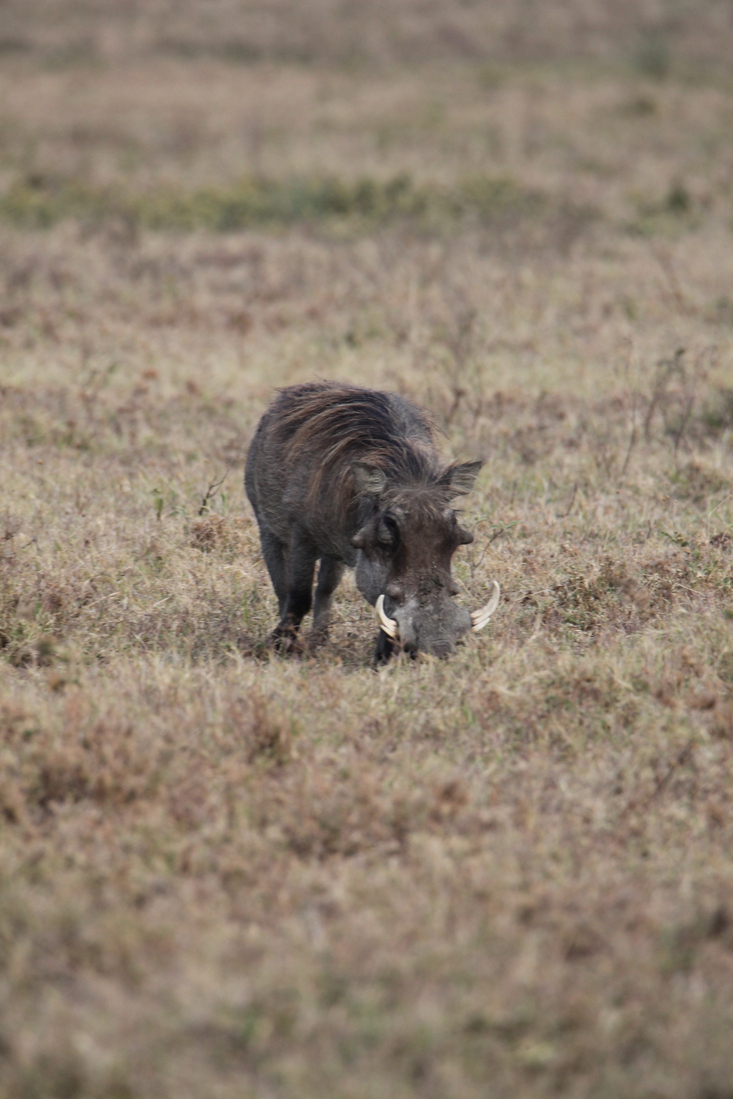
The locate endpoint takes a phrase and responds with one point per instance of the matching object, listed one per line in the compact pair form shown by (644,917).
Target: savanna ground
(227,874)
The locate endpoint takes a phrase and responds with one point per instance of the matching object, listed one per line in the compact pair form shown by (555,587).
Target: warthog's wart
(351,476)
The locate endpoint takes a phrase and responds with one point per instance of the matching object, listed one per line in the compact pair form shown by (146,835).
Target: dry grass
(657,39)
(227,874)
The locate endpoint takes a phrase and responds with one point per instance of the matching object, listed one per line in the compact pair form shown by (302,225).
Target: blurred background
(171,115)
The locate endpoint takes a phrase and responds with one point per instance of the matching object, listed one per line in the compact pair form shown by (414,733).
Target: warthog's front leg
(386,648)
(301,566)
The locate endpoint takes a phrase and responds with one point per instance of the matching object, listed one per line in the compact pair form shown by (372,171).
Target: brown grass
(223,873)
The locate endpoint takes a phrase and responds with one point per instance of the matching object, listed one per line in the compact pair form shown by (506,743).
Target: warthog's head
(405,547)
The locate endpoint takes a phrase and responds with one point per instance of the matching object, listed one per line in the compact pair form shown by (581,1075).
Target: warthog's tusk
(388,624)
(481,617)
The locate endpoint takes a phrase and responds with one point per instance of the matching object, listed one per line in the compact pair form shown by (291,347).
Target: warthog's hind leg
(273,552)
(330,572)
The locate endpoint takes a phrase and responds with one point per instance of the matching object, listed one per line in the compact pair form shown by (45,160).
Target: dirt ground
(224,873)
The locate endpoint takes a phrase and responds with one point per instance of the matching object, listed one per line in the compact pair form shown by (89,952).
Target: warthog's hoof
(286,641)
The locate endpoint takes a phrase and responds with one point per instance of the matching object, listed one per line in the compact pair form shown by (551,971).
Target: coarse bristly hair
(343,423)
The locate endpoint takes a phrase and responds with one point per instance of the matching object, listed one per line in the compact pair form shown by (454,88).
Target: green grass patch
(40,202)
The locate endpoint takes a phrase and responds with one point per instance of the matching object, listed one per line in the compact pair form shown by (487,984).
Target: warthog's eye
(388,531)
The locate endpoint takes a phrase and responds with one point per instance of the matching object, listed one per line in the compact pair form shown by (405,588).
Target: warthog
(351,476)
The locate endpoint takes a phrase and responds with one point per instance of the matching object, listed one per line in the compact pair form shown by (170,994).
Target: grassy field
(227,874)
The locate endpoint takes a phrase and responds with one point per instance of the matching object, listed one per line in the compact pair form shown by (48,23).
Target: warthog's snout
(403,624)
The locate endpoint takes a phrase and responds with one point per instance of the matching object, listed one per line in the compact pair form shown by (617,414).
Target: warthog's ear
(370,480)
(461,478)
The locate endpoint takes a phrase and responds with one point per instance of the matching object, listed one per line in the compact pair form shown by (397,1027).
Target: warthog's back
(299,466)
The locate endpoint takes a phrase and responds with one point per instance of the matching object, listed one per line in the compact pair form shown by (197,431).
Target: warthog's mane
(328,426)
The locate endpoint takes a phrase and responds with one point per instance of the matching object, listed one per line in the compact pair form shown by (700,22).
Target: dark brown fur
(358,424)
